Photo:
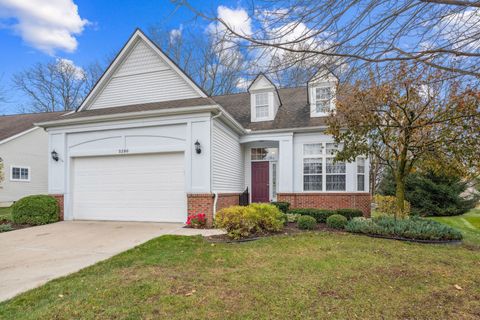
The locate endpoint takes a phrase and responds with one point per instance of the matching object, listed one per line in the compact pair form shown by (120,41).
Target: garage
(142,187)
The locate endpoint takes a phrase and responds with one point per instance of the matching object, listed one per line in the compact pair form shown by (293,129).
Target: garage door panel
(133,188)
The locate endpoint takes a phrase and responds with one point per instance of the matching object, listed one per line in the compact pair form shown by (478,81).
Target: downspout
(215,194)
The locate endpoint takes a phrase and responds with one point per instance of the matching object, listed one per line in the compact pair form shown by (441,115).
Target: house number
(122,150)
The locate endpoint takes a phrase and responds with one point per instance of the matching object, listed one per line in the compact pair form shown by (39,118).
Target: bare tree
(208,58)
(58,85)
(444,34)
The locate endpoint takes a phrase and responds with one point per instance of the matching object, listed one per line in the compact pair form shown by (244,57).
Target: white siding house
(148,144)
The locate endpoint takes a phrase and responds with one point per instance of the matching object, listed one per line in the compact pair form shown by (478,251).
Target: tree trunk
(400,194)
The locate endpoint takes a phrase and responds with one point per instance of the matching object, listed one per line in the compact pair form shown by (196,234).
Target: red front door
(260,180)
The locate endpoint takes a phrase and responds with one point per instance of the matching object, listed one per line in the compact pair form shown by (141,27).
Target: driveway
(31,257)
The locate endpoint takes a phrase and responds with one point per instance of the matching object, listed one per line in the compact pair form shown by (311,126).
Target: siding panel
(227,160)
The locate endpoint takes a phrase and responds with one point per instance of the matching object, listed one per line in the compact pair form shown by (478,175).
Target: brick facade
(60,202)
(328,200)
(203,203)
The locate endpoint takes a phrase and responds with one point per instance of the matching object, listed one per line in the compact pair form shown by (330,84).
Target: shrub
(241,222)
(306,223)
(387,205)
(350,213)
(410,228)
(293,217)
(5,227)
(433,194)
(35,210)
(282,205)
(337,221)
(197,221)
(320,215)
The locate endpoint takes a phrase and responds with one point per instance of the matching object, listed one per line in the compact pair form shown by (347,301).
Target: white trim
(137,35)
(18,135)
(20,167)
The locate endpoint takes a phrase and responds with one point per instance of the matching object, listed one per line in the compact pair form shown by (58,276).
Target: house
(23,149)
(147,144)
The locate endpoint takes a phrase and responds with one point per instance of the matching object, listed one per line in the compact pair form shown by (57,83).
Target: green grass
(468,224)
(306,276)
(5,213)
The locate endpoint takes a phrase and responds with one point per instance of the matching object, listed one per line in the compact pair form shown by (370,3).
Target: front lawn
(305,276)
(468,224)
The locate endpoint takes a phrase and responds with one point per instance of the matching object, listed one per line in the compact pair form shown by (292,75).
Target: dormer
(322,89)
(264,99)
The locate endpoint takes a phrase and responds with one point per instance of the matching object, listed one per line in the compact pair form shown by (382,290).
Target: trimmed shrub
(306,223)
(410,228)
(320,215)
(387,205)
(244,221)
(350,213)
(35,210)
(292,217)
(337,221)
(282,205)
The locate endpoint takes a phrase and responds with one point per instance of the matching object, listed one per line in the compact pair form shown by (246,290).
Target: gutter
(301,129)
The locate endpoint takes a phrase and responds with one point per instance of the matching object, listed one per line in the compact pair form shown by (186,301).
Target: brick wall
(59,198)
(203,203)
(328,200)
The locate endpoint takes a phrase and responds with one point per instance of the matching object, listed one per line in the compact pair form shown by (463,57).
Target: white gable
(141,74)
(261,83)
(264,99)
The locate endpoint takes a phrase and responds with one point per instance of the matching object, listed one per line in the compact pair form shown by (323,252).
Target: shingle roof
(11,125)
(142,107)
(293,113)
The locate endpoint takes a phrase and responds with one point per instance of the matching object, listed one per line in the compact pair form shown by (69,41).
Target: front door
(260,180)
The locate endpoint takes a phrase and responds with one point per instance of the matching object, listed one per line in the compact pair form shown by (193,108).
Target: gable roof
(122,55)
(12,125)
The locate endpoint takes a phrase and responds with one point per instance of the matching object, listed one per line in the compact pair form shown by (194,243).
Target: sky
(78,30)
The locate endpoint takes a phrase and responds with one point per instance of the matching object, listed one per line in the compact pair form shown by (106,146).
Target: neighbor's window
(335,175)
(323,98)
(312,167)
(20,174)
(360,174)
(261,105)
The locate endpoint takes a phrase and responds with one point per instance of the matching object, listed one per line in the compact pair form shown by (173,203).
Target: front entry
(260,181)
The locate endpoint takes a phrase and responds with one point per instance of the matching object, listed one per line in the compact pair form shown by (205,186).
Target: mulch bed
(290,229)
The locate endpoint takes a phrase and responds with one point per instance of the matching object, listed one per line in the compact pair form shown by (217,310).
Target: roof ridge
(32,113)
(246,92)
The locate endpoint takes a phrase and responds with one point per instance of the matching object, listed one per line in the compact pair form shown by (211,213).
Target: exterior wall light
(198,149)
(54,155)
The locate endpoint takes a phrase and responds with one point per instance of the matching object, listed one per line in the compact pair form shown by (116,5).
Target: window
(261,105)
(20,173)
(259,154)
(335,175)
(361,174)
(312,167)
(323,98)
(274,180)
(333,148)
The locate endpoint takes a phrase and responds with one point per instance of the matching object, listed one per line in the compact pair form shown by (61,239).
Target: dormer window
(264,99)
(261,105)
(323,99)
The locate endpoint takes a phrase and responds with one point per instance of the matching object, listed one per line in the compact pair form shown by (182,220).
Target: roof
(193,102)
(11,125)
(293,113)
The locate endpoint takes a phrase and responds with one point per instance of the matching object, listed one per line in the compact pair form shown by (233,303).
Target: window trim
(268,116)
(20,167)
(313,96)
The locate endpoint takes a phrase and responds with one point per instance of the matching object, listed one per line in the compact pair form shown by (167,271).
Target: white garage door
(147,187)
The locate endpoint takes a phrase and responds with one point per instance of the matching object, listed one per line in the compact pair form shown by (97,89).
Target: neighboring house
(23,152)
(147,144)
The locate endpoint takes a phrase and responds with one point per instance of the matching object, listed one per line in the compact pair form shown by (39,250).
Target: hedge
(35,210)
(321,215)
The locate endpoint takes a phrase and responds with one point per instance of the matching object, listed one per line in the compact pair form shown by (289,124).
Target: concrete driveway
(31,257)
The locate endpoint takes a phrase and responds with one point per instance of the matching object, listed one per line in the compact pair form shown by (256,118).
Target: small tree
(409,117)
